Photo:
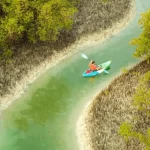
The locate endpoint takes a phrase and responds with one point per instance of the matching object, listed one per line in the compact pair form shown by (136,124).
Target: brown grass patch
(111,108)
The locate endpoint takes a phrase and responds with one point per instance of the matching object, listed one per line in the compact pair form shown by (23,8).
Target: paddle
(85,57)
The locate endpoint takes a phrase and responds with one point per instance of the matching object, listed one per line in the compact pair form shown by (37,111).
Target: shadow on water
(93,79)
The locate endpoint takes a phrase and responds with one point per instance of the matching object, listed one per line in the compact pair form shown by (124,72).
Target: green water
(45,117)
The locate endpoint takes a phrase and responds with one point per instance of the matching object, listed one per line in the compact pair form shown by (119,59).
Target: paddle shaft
(84,56)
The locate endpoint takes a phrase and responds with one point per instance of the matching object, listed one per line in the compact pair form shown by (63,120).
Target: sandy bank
(58,57)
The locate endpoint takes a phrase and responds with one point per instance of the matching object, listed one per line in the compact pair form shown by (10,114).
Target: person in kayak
(93,66)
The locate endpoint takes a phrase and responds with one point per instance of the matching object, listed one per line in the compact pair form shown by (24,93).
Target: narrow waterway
(45,117)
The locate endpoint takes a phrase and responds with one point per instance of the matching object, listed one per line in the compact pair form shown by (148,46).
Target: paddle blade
(84,56)
(106,71)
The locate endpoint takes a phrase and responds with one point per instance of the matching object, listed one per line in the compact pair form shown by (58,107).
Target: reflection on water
(93,79)
(36,122)
(44,104)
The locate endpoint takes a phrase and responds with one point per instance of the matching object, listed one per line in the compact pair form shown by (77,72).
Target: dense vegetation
(143,41)
(34,20)
(141,97)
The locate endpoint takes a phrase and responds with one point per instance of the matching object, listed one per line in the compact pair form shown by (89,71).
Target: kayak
(89,73)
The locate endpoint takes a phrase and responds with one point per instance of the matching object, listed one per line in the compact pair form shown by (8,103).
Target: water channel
(45,116)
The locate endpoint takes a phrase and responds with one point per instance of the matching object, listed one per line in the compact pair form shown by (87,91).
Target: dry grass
(111,108)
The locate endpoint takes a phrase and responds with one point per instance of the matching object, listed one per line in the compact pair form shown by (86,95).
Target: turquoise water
(45,117)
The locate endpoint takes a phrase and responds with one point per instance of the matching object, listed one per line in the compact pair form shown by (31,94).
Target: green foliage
(105,1)
(143,41)
(141,98)
(35,20)
(6,56)
(106,92)
(125,130)
(14,23)
(53,17)
(135,73)
(125,70)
